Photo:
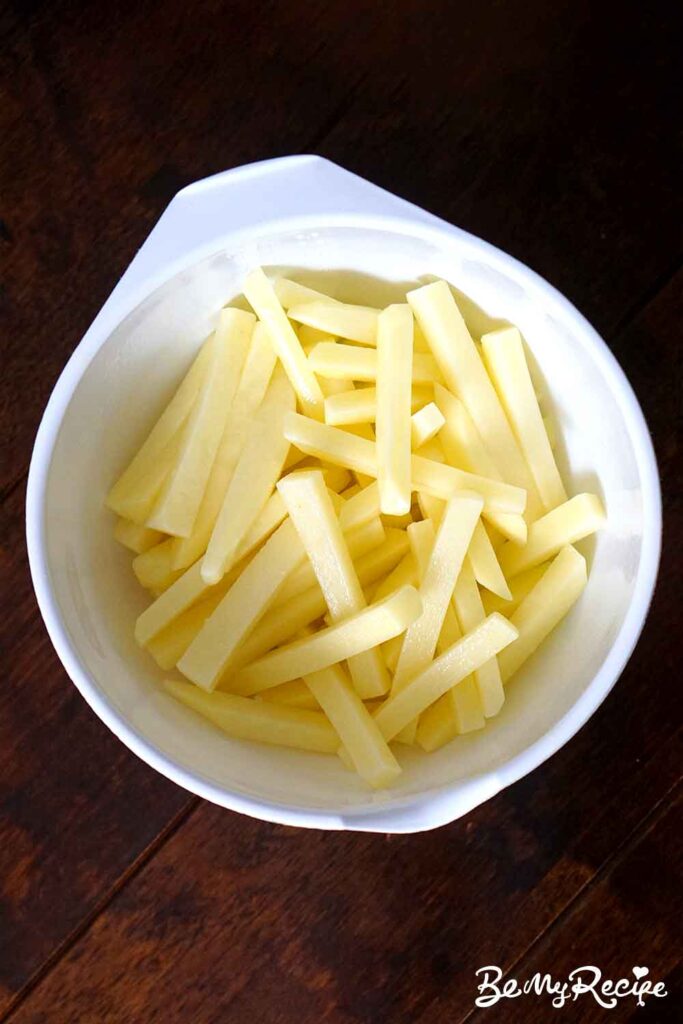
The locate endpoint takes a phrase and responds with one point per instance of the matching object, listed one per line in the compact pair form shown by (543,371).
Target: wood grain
(549,130)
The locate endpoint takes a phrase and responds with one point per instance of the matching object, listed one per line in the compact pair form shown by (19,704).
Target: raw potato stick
(294,694)
(464,447)
(263,299)
(520,586)
(465,374)
(153,568)
(254,380)
(470,612)
(481,555)
(338,361)
(507,367)
(544,607)
(291,293)
(360,632)
(566,524)
(359,405)
(258,721)
(181,595)
(357,729)
(345,449)
(359,540)
(245,602)
(443,566)
(454,665)
(393,425)
(176,508)
(137,538)
(311,511)
(357,323)
(425,424)
(252,483)
(282,623)
(132,488)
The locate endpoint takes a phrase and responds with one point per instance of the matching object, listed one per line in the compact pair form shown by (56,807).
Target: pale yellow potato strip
(146,462)
(393,424)
(188,588)
(360,404)
(360,632)
(268,520)
(245,602)
(254,380)
(456,713)
(345,449)
(291,293)
(340,319)
(465,448)
(339,361)
(169,645)
(520,586)
(470,611)
(263,299)
(459,661)
(404,573)
(153,568)
(259,721)
(485,564)
(253,480)
(438,580)
(363,506)
(357,729)
(507,366)
(295,694)
(566,524)
(177,505)
(312,513)
(283,622)
(136,538)
(465,374)
(425,424)
(544,607)
(358,540)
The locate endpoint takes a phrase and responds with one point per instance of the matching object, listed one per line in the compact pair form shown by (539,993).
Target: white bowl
(306,213)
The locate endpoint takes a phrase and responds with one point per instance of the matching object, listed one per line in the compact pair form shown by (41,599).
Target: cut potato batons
(345,449)
(254,380)
(463,370)
(253,480)
(261,296)
(507,366)
(393,425)
(356,323)
(136,538)
(280,624)
(566,524)
(459,661)
(177,505)
(359,405)
(336,360)
(329,556)
(259,721)
(137,487)
(346,638)
(544,607)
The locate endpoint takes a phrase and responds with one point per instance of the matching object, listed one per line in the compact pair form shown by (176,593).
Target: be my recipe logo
(583,982)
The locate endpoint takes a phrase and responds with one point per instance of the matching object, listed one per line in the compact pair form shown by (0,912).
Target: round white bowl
(126,368)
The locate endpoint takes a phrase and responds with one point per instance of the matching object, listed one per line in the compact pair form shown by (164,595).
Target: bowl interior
(134,373)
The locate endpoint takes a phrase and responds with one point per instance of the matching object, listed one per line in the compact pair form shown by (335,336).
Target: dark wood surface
(549,129)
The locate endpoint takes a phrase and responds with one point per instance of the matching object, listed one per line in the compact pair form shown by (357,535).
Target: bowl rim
(408,813)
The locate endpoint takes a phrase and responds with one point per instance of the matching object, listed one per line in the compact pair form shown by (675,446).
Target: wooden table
(547,128)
